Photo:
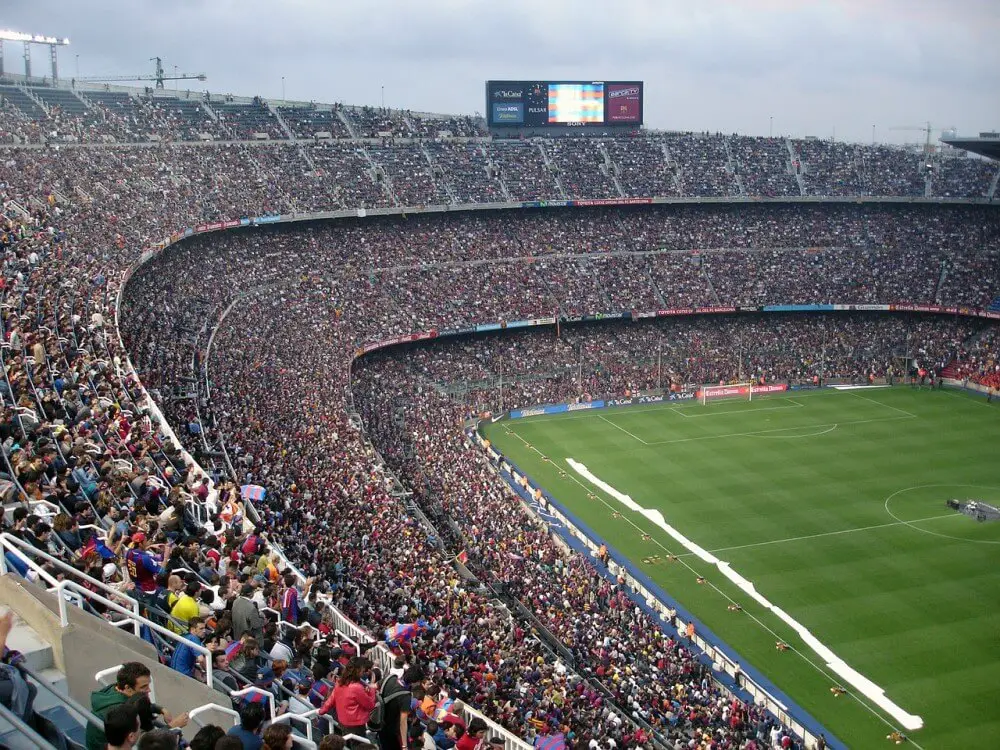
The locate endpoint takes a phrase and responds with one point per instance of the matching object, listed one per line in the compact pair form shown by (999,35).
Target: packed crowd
(293,359)
(979,360)
(82,443)
(610,359)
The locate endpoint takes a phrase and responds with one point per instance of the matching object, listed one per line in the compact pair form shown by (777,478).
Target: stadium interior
(242,340)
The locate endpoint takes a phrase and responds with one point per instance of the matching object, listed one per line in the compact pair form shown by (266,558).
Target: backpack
(376,719)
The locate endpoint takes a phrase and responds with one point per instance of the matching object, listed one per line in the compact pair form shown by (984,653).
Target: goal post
(740,391)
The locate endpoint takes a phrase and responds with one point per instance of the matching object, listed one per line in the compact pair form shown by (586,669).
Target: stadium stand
(94,477)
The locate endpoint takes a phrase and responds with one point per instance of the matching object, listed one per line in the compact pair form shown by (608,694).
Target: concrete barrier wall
(89,644)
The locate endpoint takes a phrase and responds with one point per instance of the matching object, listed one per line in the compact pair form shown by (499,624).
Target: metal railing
(25,732)
(138,622)
(24,552)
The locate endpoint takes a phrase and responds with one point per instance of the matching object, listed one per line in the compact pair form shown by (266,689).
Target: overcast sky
(816,68)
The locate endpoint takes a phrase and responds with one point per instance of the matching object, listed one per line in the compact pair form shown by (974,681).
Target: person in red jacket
(353,698)
(474,736)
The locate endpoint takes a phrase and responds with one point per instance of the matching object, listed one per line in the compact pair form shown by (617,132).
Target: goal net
(741,391)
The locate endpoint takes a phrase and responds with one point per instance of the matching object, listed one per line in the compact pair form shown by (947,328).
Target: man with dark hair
(278,737)
(207,737)
(394,734)
(121,727)
(133,678)
(248,731)
(186,659)
(158,739)
(132,681)
(229,743)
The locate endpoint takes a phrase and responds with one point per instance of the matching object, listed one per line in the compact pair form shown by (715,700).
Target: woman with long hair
(353,698)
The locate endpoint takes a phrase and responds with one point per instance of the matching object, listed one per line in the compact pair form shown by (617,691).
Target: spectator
(158,739)
(132,680)
(187,606)
(474,735)
(185,659)
(278,737)
(207,737)
(16,692)
(121,727)
(248,730)
(246,618)
(395,694)
(353,699)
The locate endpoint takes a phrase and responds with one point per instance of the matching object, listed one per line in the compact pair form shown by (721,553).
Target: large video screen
(563,103)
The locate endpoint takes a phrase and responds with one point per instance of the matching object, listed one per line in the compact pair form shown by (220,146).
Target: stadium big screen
(530,104)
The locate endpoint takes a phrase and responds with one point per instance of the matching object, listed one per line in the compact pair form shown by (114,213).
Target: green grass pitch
(833,504)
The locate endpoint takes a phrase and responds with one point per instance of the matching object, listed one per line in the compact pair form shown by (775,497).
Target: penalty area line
(619,427)
(781,429)
(753,410)
(829,533)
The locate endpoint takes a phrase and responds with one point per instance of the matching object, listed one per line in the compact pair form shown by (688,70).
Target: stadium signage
(581,406)
(611,202)
(617,93)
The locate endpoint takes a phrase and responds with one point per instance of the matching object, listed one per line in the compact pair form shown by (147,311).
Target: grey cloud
(708,65)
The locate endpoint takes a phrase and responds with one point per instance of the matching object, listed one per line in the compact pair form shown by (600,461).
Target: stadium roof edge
(988,146)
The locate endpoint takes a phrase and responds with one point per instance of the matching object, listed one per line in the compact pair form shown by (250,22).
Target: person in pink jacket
(353,699)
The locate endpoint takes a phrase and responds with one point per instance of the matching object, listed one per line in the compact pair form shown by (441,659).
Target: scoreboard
(564,103)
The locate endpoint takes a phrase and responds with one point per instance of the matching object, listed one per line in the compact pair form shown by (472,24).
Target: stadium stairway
(950,370)
(69,657)
(57,720)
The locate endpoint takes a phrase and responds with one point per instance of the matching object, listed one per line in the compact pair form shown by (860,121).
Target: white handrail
(60,590)
(256,690)
(306,741)
(12,543)
(139,621)
(194,713)
(32,565)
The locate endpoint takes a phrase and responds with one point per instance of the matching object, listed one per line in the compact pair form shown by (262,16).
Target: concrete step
(56,679)
(37,653)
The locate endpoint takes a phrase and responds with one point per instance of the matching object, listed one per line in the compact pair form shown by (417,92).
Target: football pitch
(833,504)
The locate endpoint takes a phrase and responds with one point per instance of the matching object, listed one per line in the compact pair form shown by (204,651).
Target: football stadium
(541,425)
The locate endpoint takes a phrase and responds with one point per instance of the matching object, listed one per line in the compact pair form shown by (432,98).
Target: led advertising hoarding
(564,103)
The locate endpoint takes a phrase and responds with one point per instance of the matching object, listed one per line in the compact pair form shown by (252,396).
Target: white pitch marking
(779,429)
(887,406)
(618,426)
(796,405)
(842,669)
(829,429)
(832,533)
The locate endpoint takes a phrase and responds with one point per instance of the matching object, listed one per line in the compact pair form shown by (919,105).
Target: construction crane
(158,76)
(927,130)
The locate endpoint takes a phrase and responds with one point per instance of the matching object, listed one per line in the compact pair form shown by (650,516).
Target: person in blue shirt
(185,659)
(248,730)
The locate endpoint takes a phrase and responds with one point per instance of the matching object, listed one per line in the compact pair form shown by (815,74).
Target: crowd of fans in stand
(78,435)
